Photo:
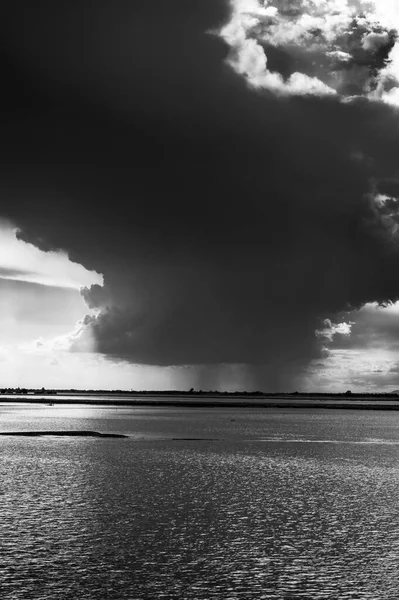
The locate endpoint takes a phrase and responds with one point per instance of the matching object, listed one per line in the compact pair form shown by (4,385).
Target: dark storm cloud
(227,222)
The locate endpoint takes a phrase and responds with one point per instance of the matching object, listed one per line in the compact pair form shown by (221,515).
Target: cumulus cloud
(360,355)
(80,339)
(374,41)
(248,57)
(372,327)
(330,330)
(345,47)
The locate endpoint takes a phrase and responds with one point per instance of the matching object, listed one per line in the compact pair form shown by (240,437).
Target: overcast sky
(197,193)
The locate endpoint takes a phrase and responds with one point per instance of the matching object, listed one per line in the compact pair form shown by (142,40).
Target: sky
(200,193)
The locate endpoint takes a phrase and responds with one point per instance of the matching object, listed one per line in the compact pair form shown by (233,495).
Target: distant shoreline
(192,400)
(257,395)
(32,392)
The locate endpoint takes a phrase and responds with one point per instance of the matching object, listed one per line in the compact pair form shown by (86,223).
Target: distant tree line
(23,391)
(192,391)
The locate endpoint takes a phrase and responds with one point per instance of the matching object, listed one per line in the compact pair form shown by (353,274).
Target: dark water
(280,505)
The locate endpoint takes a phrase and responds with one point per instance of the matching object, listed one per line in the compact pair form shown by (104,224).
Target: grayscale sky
(200,193)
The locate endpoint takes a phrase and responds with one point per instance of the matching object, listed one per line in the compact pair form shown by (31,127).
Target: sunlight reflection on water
(101,518)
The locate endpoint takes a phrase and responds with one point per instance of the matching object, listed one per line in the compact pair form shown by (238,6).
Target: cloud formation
(360,354)
(330,330)
(22,261)
(323,47)
(228,221)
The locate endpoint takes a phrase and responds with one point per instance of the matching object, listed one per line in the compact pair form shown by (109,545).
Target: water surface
(270,503)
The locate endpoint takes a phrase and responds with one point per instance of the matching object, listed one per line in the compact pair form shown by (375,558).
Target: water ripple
(90,518)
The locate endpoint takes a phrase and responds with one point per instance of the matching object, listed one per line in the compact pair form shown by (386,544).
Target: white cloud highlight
(249,59)
(22,261)
(330,47)
(332,329)
(80,337)
(361,355)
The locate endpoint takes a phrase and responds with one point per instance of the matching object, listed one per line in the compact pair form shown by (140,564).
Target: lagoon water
(199,504)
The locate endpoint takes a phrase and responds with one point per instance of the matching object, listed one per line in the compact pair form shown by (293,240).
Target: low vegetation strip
(64,434)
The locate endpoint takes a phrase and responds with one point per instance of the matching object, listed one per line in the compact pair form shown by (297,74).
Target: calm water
(274,504)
